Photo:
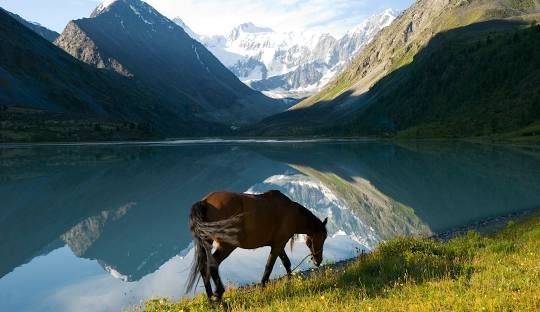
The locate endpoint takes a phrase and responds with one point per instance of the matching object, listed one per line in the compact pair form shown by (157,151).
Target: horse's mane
(316,223)
(294,238)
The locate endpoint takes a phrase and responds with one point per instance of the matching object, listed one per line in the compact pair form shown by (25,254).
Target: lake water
(104,227)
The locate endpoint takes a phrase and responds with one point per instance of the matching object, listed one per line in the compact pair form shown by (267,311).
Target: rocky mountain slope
(289,64)
(133,39)
(47,95)
(396,52)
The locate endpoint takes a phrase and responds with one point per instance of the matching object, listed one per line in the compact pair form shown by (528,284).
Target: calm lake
(104,227)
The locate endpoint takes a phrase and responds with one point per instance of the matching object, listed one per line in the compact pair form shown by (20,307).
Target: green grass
(470,273)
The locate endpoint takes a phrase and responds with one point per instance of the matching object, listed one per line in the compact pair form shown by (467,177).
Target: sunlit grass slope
(470,273)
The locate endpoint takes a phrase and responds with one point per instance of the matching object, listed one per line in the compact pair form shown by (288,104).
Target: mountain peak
(252,28)
(107,5)
(102,7)
(130,13)
(376,22)
(248,28)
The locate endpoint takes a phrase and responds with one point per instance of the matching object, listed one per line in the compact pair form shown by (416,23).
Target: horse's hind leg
(286,262)
(205,274)
(221,253)
(206,280)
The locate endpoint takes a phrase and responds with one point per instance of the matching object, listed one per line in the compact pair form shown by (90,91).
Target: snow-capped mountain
(289,64)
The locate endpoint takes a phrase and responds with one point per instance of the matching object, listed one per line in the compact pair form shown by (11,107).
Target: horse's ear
(325,221)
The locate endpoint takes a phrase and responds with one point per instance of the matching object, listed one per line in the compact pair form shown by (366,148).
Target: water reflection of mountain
(74,192)
(442,185)
(312,190)
(127,206)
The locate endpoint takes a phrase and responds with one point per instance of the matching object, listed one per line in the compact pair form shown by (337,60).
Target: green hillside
(478,80)
(397,45)
(448,68)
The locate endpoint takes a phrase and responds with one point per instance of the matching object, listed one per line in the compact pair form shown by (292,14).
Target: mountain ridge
(44,32)
(47,95)
(168,61)
(415,27)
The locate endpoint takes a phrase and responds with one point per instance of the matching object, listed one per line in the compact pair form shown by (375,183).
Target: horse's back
(225,205)
(262,214)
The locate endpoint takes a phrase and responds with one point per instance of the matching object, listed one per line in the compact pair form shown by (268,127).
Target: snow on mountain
(289,64)
(178,21)
(103,6)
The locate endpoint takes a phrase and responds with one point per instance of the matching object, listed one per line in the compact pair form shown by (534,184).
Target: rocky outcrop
(75,41)
(84,234)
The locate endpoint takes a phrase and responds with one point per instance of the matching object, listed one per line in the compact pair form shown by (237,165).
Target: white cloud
(211,17)
(218,16)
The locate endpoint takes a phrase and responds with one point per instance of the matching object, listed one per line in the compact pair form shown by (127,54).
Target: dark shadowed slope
(133,39)
(45,94)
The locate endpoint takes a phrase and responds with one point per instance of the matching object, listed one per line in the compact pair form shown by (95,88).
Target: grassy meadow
(499,272)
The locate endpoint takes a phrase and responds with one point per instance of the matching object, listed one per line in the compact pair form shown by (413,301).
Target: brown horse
(234,220)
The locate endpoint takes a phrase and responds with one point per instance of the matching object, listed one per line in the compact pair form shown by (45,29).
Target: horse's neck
(307,222)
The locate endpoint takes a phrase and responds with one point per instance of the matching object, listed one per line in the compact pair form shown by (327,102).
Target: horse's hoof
(215,299)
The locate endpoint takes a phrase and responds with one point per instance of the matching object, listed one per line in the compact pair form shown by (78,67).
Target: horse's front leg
(286,262)
(274,253)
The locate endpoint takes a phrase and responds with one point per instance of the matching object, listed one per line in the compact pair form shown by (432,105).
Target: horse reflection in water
(232,220)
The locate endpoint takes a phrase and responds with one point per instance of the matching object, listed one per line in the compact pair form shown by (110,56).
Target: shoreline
(484,226)
(478,272)
(270,140)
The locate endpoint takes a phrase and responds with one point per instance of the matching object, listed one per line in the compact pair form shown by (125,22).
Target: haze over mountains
(289,64)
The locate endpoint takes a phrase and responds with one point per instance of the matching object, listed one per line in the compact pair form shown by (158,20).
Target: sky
(213,17)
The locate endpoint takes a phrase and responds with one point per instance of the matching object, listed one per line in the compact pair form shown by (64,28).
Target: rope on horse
(299,264)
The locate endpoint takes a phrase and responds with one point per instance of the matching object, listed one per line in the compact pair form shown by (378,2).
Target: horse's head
(315,243)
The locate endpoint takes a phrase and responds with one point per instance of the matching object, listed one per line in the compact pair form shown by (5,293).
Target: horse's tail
(204,233)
